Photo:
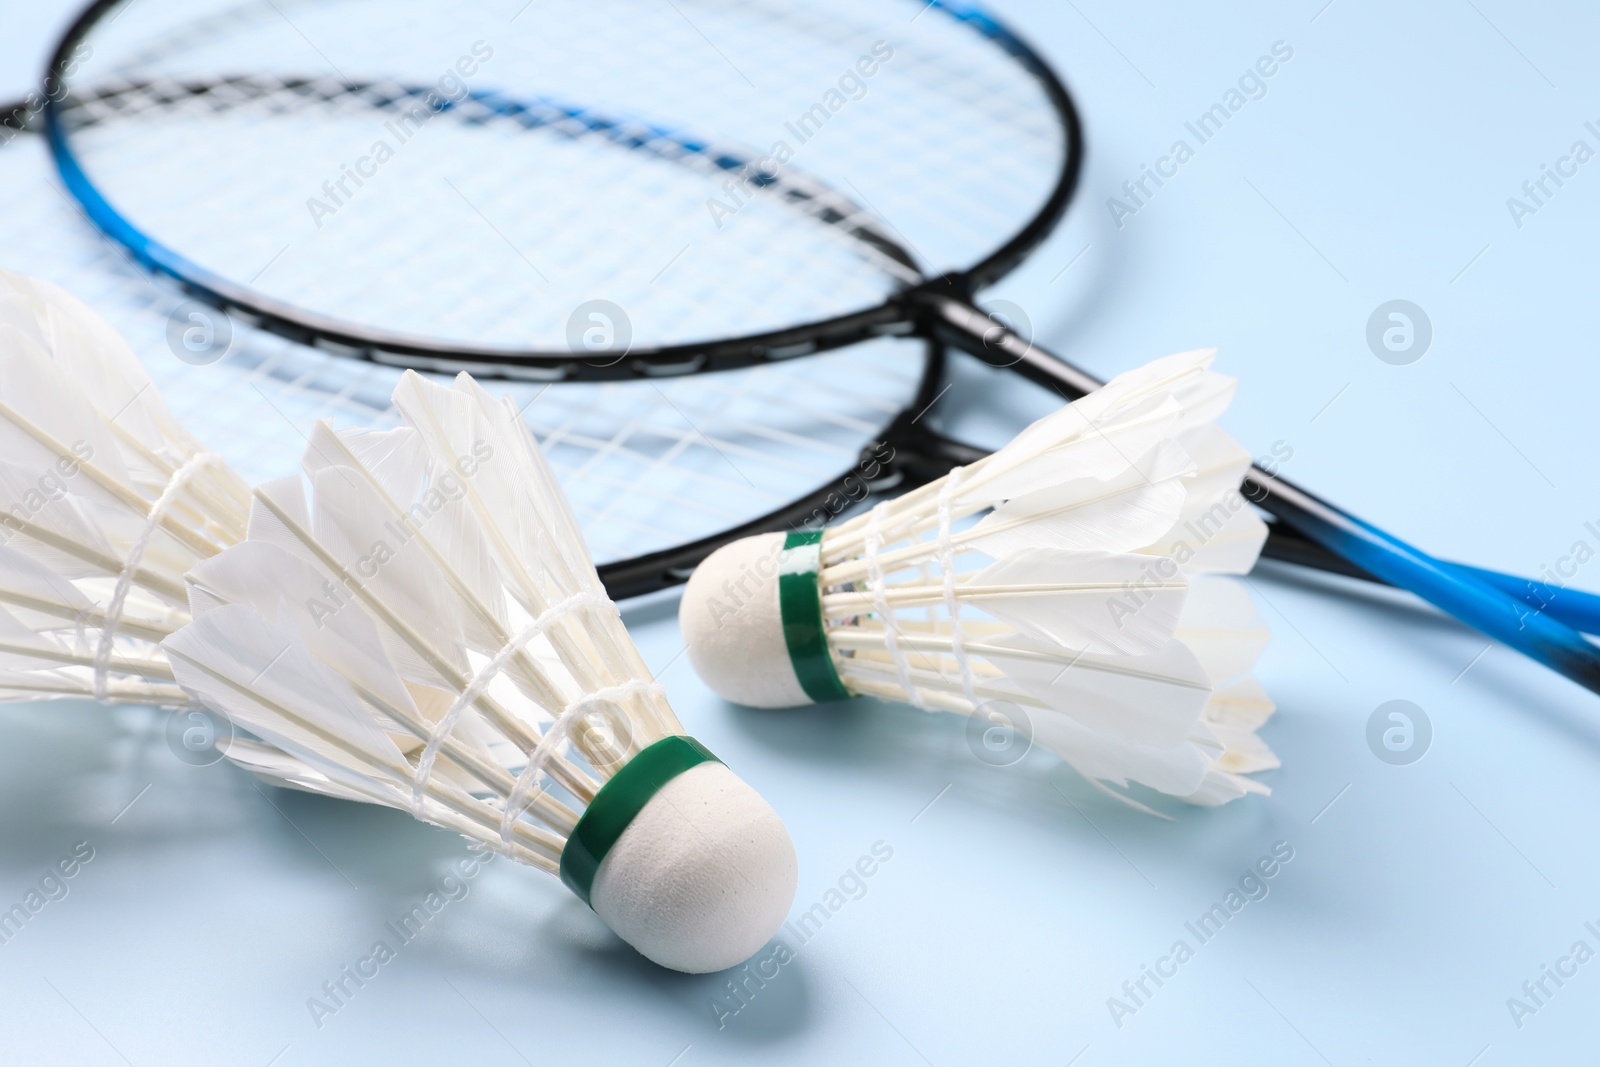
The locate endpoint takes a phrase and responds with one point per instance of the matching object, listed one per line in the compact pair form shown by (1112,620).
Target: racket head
(660,472)
(604,190)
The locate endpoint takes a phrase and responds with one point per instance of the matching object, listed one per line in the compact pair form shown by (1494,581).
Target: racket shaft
(1574,607)
(1535,633)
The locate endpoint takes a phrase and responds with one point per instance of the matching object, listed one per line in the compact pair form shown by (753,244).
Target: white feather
(1151,700)
(1066,445)
(1101,602)
(276,767)
(1221,625)
(260,673)
(1119,513)
(260,574)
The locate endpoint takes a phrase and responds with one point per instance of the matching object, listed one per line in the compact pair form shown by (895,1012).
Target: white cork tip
(703,876)
(731,622)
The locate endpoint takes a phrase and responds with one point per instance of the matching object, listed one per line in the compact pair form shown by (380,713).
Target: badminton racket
(625,191)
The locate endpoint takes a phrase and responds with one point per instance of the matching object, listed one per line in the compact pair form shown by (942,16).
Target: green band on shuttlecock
(619,801)
(800,607)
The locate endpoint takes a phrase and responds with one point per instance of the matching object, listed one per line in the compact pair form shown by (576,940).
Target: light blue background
(1376,167)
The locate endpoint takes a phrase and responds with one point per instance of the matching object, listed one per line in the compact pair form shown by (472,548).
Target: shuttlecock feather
(1072,577)
(105,502)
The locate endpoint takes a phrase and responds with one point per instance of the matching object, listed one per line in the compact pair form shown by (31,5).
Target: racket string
(563,173)
(560,172)
(255,405)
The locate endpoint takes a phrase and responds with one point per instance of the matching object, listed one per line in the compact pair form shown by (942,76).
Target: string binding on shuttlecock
(1071,579)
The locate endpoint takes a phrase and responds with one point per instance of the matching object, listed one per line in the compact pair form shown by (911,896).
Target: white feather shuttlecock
(1083,601)
(80,414)
(105,503)
(416,622)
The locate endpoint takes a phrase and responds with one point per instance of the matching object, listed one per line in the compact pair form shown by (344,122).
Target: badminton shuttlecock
(105,503)
(1082,601)
(416,622)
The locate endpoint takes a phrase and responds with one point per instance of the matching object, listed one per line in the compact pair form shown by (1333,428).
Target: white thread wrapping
(947,571)
(136,551)
(519,799)
(880,605)
(480,682)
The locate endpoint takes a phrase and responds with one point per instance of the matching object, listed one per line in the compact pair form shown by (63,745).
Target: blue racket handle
(1574,607)
(1456,590)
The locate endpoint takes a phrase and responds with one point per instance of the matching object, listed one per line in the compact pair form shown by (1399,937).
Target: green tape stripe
(800,607)
(619,801)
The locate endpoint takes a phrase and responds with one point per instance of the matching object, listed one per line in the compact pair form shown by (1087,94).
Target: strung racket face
(650,466)
(646,186)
